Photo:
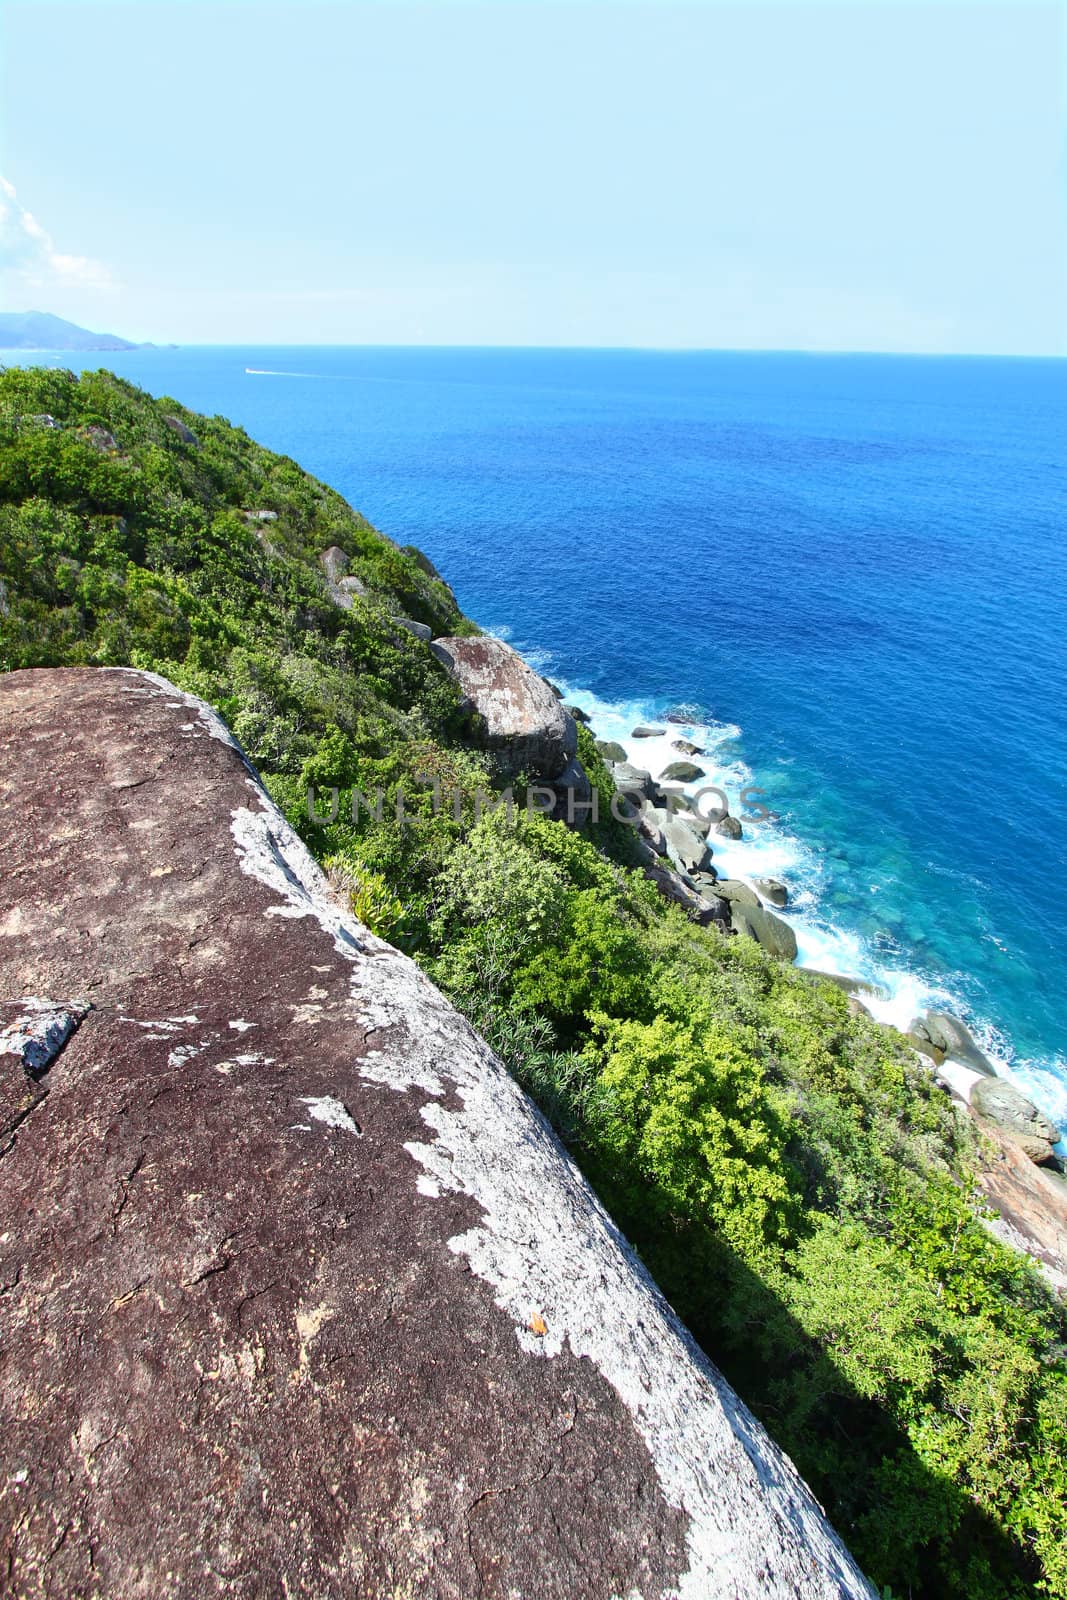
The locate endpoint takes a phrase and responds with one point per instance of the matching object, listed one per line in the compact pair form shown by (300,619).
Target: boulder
(351,585)
(186,435)
(925,1048)
(703,909)
(100,438)
(685,847)
(300,1294)
(952,1036)
(334,563)
(773,890)
(682,772)
(524,723)
(573,790)
(740,893)
(770,931)
(645,730)
(610,750)
(1040,1151)
(1002,1103)
(853,986)
(418,629)
(687,747)
(634,781)
(578,714)
(650,828)
(707,879)
(728,827)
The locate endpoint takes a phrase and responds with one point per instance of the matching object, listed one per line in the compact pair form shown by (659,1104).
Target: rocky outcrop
(610,750)
(524,722)
(756,922)
(728,827)
(342,586)
(733,889)
(773,890)
(681,772)
(953,1038)
(1001,1102)
(300,1296)
(186,435)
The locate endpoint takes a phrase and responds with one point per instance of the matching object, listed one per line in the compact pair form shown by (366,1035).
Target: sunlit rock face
(299,1294)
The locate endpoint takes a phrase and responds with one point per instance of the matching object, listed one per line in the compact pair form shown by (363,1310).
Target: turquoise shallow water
(856,566)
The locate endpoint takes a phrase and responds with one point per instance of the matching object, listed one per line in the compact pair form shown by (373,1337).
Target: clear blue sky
(834,176)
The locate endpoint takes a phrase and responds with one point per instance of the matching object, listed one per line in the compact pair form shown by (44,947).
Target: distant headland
(40,330)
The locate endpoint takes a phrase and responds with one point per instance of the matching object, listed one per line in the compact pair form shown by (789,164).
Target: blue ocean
(852,570)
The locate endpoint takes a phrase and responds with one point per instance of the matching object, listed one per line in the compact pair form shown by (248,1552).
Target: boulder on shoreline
(633,780)
(686,848)
(682,772)
(773,890)
(755,922)
(611,750)
(853,986)
(1001,1102)
(729,827)
(740,893)
(687,747)
(645,730)
(953,1038)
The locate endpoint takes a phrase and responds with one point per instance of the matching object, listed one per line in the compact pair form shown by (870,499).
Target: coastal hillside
(802,1188)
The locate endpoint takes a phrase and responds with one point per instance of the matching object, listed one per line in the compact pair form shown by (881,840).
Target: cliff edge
(298,1294)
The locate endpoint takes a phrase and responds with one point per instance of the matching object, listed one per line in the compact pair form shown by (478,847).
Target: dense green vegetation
(791,1176)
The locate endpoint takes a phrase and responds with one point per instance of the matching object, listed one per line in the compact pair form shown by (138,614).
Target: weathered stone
(334,563)
(952,1036)
(773,890)
(578,714)
(524,722)
(186,435)
(610,750)
(687,747)
(300,1283)
(573,792)
(728,827)
(100,438)
(853,986)
(419,629)
(645,730)
(703,908)
(740,893)
(34,1030)
(681,772)
(925,1048)
(685,847)
(1001,1102)
(770,931)
(634,781)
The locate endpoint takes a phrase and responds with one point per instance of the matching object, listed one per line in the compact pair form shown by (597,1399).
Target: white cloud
(27,251)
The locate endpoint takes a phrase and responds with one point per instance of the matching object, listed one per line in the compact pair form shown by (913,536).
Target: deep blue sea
(855,565)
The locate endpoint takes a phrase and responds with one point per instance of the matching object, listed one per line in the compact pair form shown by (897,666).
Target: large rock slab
(756,922)
(524,721)
(300,1295)
(1009,1108)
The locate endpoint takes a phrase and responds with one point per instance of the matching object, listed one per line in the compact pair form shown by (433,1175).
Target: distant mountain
(40,330)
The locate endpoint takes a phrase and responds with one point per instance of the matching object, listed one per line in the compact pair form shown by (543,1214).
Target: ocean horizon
(849,568)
